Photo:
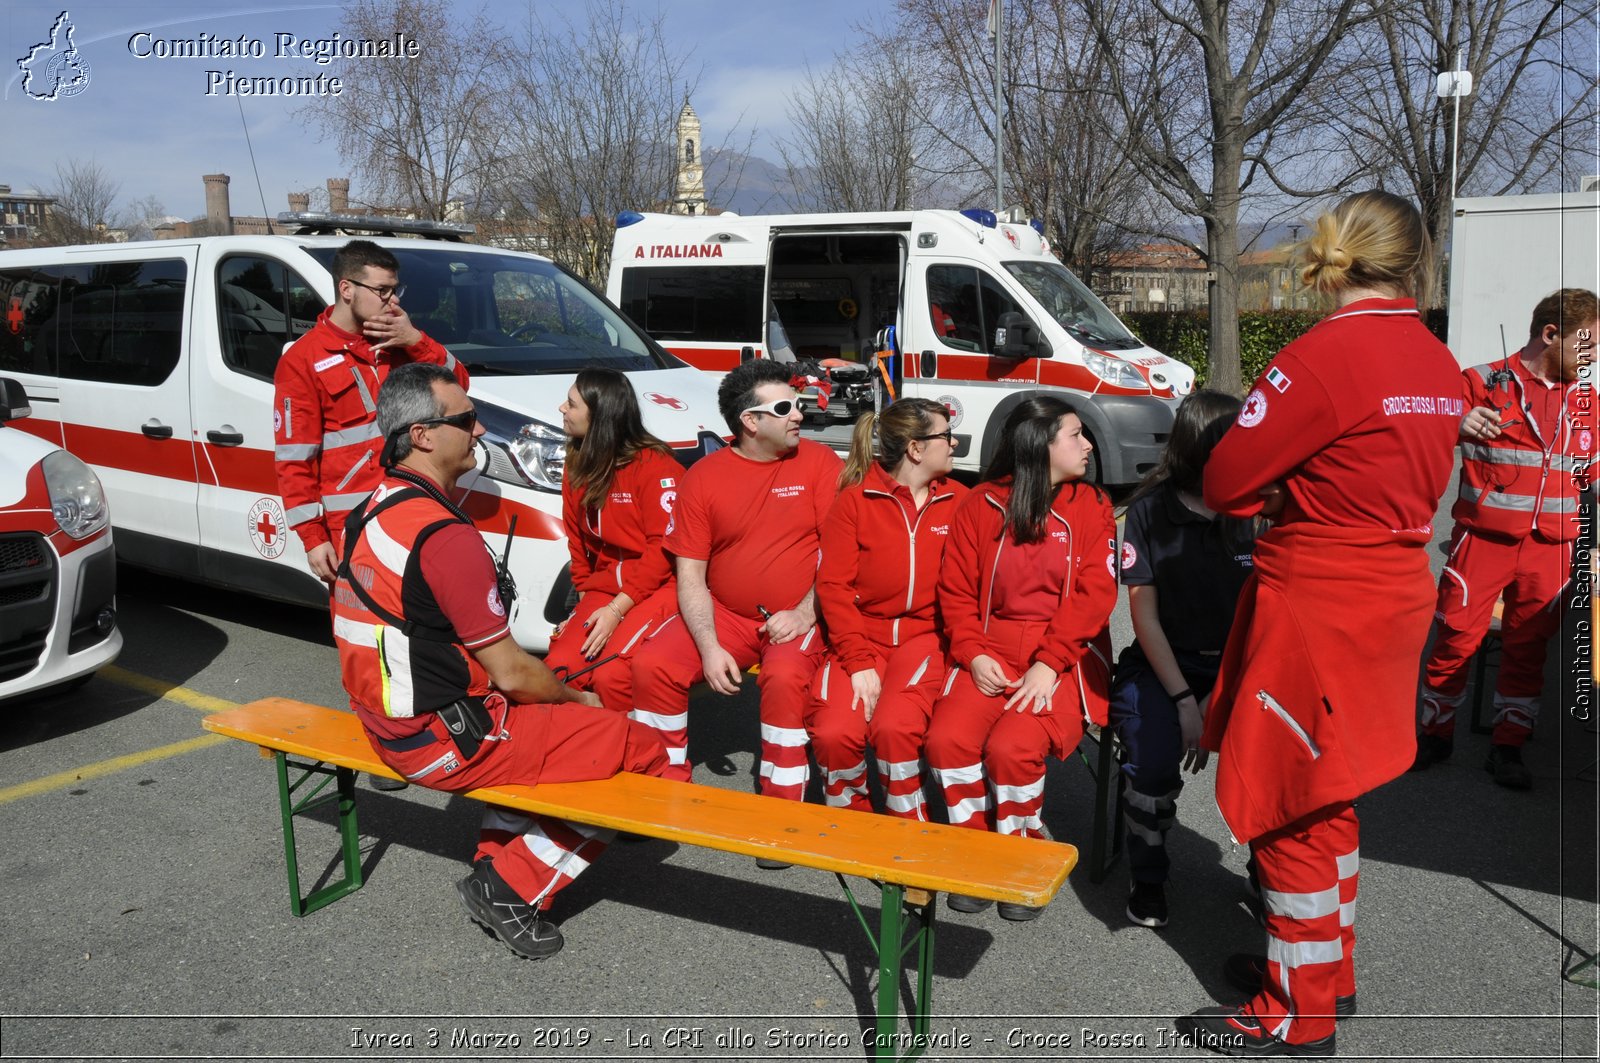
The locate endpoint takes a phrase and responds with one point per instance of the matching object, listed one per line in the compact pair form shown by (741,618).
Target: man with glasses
(446,696)
(745,537)
(324,410)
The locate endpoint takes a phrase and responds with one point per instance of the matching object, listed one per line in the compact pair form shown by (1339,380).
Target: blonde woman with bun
(1346,444)
(882,544)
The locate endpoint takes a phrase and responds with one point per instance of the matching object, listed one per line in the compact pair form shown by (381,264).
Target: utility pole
(997,22)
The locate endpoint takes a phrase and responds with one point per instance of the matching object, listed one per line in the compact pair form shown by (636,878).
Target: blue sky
(149,123)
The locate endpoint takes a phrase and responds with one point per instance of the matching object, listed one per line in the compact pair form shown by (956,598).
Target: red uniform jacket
(1079,633)
(1528,478)
(324,422)
(1315,701)
(880,563)
(617,548)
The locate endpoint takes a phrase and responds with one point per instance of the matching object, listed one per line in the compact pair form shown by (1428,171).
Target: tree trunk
(1222,248)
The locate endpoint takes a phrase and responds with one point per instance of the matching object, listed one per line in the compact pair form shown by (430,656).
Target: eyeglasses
(948,435)
(384,292)
(465,420)
(779,408)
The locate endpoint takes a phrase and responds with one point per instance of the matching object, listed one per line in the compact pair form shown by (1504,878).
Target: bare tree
(417,131)
(1531,115)
(1208,93)
(84,208)
(1062,164)
(860,139)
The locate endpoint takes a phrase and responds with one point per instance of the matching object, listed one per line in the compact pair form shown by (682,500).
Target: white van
(965,310)
(153,362)
(58,576)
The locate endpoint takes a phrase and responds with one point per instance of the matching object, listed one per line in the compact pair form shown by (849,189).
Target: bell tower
(689,192)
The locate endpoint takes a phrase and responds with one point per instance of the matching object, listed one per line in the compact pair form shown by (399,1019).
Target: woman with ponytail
(1026,591)
(616,498)
(1346,444)
(881,548)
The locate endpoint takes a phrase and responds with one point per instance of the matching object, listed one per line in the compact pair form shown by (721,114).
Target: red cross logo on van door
(268,530)
(667,400)
(14,315)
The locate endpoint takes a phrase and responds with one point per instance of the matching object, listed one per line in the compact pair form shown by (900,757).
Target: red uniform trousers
(974,742)
(911,675)
(613,681)
(667,664)
(536,855)
(1530,574)
(1309,872)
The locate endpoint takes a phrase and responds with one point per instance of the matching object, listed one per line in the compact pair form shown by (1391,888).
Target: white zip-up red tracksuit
(433,585)
(1516,518)
(1047,602)
(757,526)
(1357,419)
(618,548)
(875,596)
(325,423)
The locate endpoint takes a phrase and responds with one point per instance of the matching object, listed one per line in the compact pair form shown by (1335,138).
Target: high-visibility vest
(399,656)
(1521,482)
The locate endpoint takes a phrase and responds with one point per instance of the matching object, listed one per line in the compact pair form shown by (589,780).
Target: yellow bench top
(927,856)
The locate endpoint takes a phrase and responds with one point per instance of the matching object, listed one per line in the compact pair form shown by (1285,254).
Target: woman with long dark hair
(881,547)
(1184,566)
(1026,590)
(1346,443)
(616,499)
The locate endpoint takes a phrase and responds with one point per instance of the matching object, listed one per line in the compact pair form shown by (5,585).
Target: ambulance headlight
(1114,371)
(540,453)
(76,499)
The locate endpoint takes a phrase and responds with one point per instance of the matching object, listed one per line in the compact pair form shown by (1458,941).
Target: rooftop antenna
(253,169)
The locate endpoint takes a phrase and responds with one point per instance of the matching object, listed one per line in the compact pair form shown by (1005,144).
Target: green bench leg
(891,944)
(1107,807)
(349,837)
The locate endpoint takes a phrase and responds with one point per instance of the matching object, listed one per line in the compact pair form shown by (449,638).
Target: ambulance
(958,307)
(58,575)
(153,362)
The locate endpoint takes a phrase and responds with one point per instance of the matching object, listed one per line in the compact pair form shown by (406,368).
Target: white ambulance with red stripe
(153,362)
(58,575)
(966,310)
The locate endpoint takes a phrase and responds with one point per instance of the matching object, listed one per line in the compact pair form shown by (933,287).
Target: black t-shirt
(1197,568)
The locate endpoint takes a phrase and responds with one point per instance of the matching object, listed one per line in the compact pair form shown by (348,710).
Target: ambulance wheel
(1093,474)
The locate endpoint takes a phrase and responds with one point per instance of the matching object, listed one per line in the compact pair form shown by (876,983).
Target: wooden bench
(911,862)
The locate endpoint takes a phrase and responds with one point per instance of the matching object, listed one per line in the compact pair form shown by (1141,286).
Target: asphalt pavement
(146,914)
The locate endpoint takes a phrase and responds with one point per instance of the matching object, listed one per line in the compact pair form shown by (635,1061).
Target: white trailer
(1507,253)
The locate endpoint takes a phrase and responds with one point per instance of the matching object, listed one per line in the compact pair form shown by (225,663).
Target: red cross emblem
(667,400)
(14,316)
(267,529)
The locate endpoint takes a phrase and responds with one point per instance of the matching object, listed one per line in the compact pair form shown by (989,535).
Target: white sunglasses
(778,408)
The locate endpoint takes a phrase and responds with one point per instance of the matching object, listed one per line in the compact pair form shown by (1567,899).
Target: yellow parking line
(161,689)
(64,779)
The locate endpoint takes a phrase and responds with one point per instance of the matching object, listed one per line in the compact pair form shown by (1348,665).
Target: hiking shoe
(962,903)
(1147,905)
(771,865)
(383,782)
(1019,913)
(494,906)
(1505,763)
(1431,750)
(1246,970)
(1235,1032)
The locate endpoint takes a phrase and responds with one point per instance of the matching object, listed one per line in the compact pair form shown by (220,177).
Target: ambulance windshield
(1075,308)
(513,314)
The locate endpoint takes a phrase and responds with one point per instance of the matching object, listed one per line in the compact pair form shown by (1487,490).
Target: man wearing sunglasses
(324,408)
(745,538)
(446,696)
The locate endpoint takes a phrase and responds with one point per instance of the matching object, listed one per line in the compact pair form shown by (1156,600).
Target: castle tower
(689,193)
(219,215)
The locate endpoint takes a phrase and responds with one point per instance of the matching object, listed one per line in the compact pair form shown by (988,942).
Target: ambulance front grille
(27,601)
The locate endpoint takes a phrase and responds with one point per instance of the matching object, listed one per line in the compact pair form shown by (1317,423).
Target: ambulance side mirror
(14,404)
(1017,337)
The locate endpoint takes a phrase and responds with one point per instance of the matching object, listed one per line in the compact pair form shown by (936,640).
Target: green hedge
(1262,334)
